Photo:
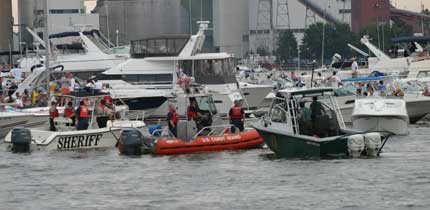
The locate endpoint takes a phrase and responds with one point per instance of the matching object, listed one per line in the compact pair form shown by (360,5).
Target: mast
(48,47)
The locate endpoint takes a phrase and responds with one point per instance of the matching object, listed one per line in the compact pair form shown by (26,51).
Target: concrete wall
(137,19)
(231,26)
(6,23)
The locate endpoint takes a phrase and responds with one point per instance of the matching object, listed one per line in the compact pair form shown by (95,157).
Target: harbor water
(101,179)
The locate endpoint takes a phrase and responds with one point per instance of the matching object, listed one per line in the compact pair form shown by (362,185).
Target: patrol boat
(68,137)
(325,137)
(208,133)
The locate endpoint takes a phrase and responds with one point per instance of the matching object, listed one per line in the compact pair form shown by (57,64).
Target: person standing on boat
(193,114)
(53,113)
(103,114)
(69,113)
(305,119)
(354,67)
(316,112)
(82,114)
(172,120)
(237,117)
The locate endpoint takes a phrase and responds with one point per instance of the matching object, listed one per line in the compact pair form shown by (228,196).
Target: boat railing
(213,130)
(162,133)
(338,112)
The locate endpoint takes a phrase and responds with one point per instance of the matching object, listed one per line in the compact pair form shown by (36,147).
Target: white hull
(85,139)
(395,125)
(417,107)
(255,95)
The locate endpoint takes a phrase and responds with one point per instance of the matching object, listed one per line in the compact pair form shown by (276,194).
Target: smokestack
(6,23)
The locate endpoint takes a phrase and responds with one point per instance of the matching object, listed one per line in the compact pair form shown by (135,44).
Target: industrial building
(64,16)
(137,19)
(6,23)
(268,17)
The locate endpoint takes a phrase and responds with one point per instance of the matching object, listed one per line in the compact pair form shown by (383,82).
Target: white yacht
(380,114)
(158,65)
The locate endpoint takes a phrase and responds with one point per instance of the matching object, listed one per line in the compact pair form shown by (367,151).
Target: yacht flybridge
(164,62)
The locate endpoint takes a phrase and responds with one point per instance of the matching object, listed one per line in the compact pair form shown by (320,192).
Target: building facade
(64,16)
(6,23)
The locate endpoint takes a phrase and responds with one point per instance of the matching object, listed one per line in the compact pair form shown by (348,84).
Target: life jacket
(84,113)
(175,118)
(68,112)
(191,114)
(236,113)
(53,113)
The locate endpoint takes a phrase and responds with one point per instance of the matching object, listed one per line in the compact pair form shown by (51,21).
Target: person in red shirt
(70,113)
(237,117)
(53,113)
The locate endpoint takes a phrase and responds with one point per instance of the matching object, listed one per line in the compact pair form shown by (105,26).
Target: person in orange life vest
(103,114)
(82,113)
(237,117)
(193,114)
(172,120)
(69,113)
(53,113)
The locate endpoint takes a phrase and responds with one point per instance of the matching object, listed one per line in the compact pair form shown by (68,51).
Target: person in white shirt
(354,67)
(334,80)
(17,74)
(72,82)
(98,85)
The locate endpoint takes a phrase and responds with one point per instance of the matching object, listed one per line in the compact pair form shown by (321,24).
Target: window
(156,79)
(64,11)
(206,103)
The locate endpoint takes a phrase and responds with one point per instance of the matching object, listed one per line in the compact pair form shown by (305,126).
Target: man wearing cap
(237,117)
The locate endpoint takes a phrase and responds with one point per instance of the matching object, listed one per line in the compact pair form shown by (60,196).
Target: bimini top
(308,91)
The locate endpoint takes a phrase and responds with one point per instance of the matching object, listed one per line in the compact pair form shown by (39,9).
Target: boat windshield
(158,47)
(205,103)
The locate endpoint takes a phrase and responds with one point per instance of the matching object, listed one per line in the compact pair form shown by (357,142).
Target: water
(102,179)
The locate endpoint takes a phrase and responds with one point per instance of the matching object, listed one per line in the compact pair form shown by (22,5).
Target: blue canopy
(411,39)
(362,79)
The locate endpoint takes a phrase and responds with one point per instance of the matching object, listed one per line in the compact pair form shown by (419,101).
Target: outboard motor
(21,140)
(130,142)
(355,145)
(373,143)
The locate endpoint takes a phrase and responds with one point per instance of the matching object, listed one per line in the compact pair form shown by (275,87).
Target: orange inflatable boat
(238,141)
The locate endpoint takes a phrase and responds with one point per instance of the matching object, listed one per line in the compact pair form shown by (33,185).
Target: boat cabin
(311,112)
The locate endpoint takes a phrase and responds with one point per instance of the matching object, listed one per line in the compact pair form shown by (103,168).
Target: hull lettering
(79,141)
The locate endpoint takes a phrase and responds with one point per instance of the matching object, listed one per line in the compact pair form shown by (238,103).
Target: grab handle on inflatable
(212,130)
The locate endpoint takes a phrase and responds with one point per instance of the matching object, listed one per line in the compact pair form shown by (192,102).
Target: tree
(336,40)
(262,51)
(287,46)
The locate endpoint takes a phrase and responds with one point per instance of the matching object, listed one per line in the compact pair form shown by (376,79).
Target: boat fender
(21,140)
(355,145)
(130,142)
(373,143)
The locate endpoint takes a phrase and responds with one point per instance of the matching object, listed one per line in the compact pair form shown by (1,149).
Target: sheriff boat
(290,131)
(68,137)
